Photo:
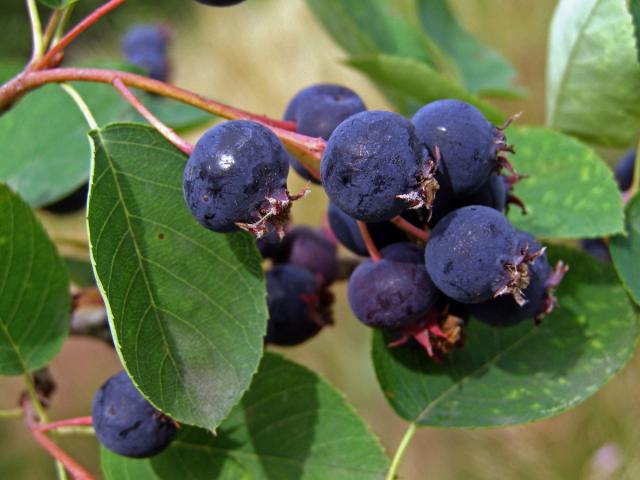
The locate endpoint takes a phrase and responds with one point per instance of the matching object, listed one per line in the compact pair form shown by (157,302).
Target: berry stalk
(68,422)
(179,142)
(410,228)
(374,253)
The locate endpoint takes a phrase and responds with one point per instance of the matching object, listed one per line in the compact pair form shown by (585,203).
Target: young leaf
(34,290)
(186,306)
(513,375)
(290,424)
(483,70)
(411,84)
(570,191)
(368,27)
(593,76)
(625,251)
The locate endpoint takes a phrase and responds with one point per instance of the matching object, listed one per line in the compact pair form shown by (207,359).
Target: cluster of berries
(440,171)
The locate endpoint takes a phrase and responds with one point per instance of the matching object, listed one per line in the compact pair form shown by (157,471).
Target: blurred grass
(256,56)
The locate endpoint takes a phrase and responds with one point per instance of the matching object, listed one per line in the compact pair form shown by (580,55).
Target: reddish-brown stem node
(72,34)
(75,469)
(180,143)
(67,422)
(374,253)
(410,228)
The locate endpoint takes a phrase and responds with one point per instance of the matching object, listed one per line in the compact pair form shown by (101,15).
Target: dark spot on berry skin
(161,236)
(448,267)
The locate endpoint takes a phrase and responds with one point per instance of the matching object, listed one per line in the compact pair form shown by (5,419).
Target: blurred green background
(256,56)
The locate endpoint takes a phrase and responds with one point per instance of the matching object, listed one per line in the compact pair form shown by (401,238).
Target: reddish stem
(374,253)
(165,131)
(28,81)
(72,34)
(410,228)
(68,422)
(75,469)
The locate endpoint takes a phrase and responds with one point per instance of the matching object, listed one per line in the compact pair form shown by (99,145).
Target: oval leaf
(411,84)
(186,306)
(625,251)
(34,290)
(290,424)
(593,76)
(570,191)
(507,376)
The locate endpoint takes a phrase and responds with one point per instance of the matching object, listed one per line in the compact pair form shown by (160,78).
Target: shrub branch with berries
(446,238)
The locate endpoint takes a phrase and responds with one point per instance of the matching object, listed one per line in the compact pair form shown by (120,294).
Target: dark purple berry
(146,47)
(468,143)
(346,230)
(220,3)
(310,249)
(597,248)
(298,308)
(237,177)
(374,167)
(393,292)
(505,311)
(624,170)
(126,423)
(73,202)
(473,254)
(317,110)
(269,244)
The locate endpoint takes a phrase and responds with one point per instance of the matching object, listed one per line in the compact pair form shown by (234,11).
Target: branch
(166,132)
(309,150)
(59,47)
(68,422)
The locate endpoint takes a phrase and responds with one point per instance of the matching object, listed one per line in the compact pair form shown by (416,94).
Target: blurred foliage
(15,37)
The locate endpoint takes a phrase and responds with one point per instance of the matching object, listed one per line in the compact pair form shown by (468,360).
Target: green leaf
(635,13)
(34,290)
(513,375)
(411,84)
(44,152)
(483,70)
(58,4)
(570,191)
(593,76)
(186,306)
(290,424)
(625,251)
(80,272)
(368,27)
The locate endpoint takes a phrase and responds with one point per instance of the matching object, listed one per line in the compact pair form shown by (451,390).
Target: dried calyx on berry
(473,254)
(236,177)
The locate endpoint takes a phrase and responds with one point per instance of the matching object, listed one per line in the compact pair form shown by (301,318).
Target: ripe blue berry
(126,423)
(468,143)
(317,111)
(346,230)
(393,292)
(146,46)
(298,308)
(237,177)
(473,254)
(310,249)
(505,311)
(624,170)
(73,202)
(374,167)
